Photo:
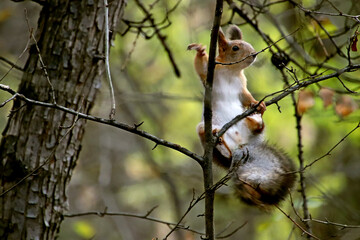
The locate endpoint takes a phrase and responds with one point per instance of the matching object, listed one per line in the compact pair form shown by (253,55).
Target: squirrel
(262,173)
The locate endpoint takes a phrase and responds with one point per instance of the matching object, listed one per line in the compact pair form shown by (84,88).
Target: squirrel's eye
(235,48)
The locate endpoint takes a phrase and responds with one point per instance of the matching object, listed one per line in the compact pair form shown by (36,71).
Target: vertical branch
(107,65)
(298,118)
(210,140)
(301,173)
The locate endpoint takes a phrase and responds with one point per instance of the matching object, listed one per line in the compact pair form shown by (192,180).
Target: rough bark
(70,37)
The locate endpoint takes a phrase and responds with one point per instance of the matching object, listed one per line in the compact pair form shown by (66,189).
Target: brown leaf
(354,43)
(326,95)
(345,105)
(305,101)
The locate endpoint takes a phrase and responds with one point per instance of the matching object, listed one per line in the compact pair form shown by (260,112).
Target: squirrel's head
(234,49)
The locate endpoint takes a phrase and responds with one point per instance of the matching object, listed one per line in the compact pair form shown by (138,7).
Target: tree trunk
(70,38)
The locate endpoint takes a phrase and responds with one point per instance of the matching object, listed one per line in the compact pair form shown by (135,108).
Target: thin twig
(13,65)
(307,11)
(43,67)
(134,215)
(298,118)
(193,202)
(107,64)
(8,100)
(342,83)
(302,190)
(329,152)
(296,224)
(127,59)
(293,206)
(327,222)
(231,233)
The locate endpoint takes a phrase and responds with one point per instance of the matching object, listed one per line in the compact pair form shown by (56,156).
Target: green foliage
(84,229)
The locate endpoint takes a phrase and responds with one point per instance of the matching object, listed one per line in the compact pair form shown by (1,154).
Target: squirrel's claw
(198,47)
(261,108)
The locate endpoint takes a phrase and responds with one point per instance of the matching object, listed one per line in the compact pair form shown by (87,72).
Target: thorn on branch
(154,146)
(150,211)
(138,125)
(103,213)
(342,83)
(278,107)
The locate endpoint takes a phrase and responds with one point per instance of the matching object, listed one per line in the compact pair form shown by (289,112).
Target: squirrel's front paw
(198,47)
(261,108)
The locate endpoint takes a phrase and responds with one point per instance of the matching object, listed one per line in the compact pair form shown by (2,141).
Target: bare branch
(212,188)
(340,14)
(329,152)
(327,222)
(298,118)
(342,83)
(231,233)
(296,224)
(127,59)
(193,202)
(43,67)
(116,124)
(107,64)
(133,215)
(13,65)
(8,100)
(209,138)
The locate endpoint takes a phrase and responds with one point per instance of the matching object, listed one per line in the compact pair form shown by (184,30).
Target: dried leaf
(354,43)
(305,101)
(345,105)
(326,95)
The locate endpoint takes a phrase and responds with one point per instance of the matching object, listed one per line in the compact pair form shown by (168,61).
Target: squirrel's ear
(234,33)
(222,42)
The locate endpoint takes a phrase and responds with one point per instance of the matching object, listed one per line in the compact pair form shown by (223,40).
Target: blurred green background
(120,171)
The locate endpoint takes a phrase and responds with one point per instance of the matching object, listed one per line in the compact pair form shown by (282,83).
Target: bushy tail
(263,174)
